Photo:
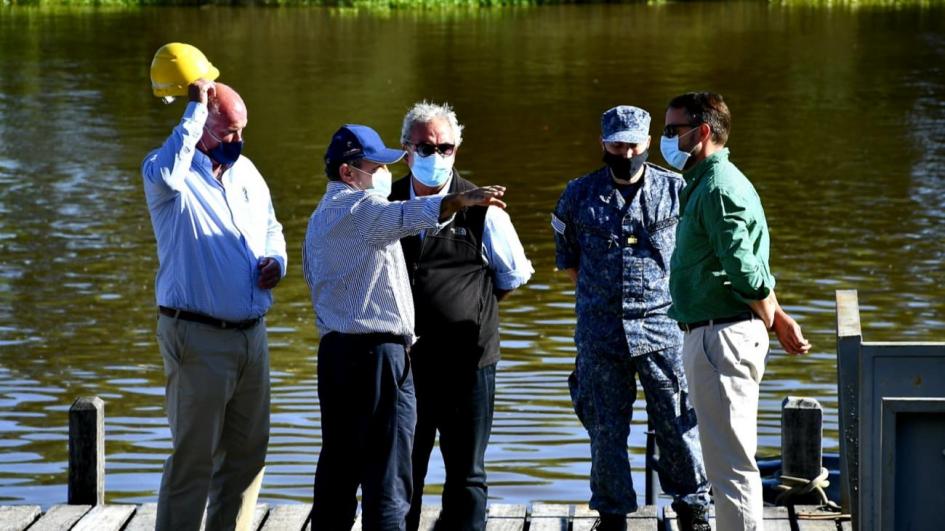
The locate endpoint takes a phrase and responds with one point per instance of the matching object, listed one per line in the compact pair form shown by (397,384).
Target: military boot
(611,522)
(692,517)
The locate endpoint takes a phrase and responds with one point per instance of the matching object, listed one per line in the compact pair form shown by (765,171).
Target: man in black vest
(457,275)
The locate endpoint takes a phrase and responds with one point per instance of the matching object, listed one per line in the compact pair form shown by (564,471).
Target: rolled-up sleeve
(504,251)
(729,224)
(567,252)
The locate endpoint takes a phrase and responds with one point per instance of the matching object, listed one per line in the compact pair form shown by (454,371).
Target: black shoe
(611,522)
(692,517)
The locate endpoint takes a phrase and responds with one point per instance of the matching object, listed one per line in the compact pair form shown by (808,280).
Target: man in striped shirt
(354,266)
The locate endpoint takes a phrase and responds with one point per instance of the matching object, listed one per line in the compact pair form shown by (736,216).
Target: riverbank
(441,4)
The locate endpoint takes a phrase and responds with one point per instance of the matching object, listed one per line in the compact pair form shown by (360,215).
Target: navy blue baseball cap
(354,141)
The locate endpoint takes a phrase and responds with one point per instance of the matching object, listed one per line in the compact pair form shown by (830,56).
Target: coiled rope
(792,488)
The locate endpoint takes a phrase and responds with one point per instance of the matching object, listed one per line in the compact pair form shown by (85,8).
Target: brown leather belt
(689,327)
(207,320)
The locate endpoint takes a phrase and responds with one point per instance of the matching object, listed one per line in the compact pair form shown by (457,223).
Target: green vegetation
(432,4)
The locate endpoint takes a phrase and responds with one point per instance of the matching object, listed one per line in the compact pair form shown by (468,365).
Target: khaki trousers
(217,396)
(724,365)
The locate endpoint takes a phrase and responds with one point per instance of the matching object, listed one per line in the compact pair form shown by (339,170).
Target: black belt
(689,327)
(373,338)
(207,320)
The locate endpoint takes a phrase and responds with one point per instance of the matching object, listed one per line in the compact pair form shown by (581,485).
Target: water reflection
(838,120)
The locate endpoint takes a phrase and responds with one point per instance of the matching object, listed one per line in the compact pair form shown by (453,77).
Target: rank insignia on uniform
(631,240)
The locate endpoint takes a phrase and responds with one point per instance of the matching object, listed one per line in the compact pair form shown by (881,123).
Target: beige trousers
(724,365)
(217,397)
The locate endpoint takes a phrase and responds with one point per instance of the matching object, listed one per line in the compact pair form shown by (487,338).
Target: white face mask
(381,181)
(674,156)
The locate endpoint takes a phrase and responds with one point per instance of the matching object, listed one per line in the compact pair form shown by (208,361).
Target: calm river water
(839,120)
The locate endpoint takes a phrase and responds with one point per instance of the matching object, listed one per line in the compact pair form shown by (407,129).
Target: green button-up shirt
(722,244)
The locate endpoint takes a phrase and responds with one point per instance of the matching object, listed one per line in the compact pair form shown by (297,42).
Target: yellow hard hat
(175,66)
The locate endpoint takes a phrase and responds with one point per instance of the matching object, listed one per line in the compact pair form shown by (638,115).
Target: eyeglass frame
(675,128)
(446,149)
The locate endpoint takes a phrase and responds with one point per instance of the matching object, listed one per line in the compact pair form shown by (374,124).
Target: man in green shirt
(723,298)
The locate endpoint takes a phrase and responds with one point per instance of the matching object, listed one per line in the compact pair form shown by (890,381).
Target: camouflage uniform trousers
(603,390)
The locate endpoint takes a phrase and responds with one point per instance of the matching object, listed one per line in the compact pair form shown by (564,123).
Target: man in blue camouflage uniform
(614,235)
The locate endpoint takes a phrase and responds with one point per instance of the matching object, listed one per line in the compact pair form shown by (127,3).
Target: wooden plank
(429,514)
(105,518)
(505,524)
(61,518)
(287,517)
(550,517)
(550,510)
(641,522)
(506,510)
(259,515)
(583,518)
(506,517)
(816,525)
(144,518)
(647,512)
(18,517)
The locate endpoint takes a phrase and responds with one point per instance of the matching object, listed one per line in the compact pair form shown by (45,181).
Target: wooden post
(801,437)
(87,452)
(849,341)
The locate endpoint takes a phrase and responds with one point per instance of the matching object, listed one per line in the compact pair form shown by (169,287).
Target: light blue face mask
(380,181)
(432,171)
(674,156)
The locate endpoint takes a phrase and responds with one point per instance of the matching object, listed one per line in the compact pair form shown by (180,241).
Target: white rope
(792,487)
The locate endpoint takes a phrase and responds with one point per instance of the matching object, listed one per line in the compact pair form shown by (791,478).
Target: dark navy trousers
(368,416)
(456,398)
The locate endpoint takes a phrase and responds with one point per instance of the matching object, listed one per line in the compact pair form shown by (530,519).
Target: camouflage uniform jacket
(622,253)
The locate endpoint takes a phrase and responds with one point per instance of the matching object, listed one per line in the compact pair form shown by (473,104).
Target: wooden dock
(294,517)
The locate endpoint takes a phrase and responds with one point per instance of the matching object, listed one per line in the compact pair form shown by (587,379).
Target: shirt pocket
(595,242)
(663,237)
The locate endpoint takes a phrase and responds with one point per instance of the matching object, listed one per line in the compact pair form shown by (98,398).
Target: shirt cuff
(195,117)
(431,209)
(282,266)
(509,280)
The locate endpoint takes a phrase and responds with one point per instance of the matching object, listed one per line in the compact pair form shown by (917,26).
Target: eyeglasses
(671,130)
(426,149)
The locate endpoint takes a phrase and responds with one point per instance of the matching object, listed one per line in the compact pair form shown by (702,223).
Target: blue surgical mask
(432,171)
(674,156)
(380,181)
(225,153)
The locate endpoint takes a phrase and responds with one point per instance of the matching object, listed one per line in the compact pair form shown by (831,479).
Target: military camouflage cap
(624,123)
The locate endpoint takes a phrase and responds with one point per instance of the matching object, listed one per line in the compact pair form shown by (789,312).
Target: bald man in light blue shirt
(221,251)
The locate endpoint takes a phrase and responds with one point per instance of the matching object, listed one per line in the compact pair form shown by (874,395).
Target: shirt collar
(693,173)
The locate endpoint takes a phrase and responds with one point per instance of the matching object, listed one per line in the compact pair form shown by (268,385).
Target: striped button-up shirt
(353,263)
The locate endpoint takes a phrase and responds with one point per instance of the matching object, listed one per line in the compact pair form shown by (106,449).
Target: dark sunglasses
(425,149)
(671,130)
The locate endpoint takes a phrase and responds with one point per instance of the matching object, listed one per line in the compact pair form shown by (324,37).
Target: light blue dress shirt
(211,235)
(501,248)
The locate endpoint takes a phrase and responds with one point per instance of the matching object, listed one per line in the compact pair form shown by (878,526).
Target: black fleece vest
(453,290)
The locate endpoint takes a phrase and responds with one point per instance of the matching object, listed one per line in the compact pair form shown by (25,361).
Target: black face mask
(622,167)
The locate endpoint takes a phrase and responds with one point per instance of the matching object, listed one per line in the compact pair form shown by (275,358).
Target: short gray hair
(425,112)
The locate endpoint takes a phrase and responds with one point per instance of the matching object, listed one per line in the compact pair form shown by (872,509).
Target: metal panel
(890,370)
(913,458)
